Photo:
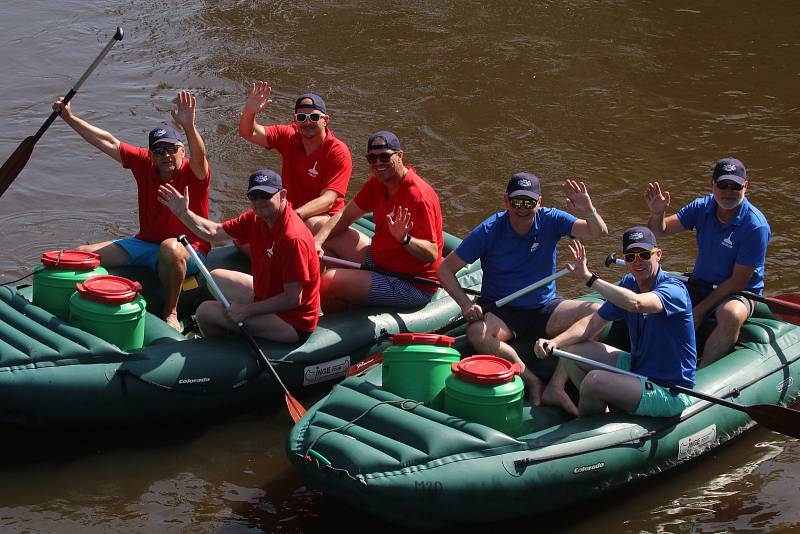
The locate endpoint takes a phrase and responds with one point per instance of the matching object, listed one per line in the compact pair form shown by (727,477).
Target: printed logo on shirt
(312,172)
(727,241)
(269,250)
(534,246)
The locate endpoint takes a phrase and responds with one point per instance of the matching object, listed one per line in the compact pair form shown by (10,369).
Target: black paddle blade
(296,410)
(16,162)
(777,418)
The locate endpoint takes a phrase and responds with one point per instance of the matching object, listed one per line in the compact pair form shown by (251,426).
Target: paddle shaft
(402,276)
(612,258)
(117,37)
(221,297)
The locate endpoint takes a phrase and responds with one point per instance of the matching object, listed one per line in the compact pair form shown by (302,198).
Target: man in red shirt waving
(408,235)
(316,165)
(165,162)
(280,301)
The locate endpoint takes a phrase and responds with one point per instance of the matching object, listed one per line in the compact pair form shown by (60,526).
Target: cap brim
(265,188)
(643,246)
(167,141)
(523,193)
(732,177)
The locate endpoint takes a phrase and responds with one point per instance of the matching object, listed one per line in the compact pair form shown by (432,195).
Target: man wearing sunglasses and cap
(316,165)
(517,247)
(155,245)
(732,237)
(408,235)
(658,313)
(280,301)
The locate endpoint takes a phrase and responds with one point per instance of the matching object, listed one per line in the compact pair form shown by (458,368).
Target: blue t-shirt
(743,240)
(511,261)
(662,344)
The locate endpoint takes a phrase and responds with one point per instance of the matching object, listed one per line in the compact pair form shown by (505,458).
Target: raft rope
(313,456)
(17,280)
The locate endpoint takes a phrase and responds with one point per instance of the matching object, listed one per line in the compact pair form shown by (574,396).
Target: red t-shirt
(156,222)
(279,256)
(422,201)
(306,176)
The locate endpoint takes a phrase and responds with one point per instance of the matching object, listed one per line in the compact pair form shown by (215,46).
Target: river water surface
(613,93)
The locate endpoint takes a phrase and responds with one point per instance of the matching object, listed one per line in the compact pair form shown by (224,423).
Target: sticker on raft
(587,468)
(697,443)
(194,380)
(783,385)
(322,372)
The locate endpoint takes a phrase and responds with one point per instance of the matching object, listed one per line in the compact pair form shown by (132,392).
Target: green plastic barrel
(55,279)
(111,308)
(488,390)
(415,366)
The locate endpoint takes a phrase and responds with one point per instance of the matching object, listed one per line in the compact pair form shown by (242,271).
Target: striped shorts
(390,291)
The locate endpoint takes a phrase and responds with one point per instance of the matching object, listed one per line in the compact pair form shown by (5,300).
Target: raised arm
(400,225)
(101,139)
(658,202)
(178,204)
(184,114)
(257,101)
(590,225)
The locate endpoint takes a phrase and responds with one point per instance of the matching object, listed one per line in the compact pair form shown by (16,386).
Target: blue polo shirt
(511,261)
(662,344)
(719,247)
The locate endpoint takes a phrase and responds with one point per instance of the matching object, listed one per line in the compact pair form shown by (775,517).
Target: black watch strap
(592,279)
(406,240)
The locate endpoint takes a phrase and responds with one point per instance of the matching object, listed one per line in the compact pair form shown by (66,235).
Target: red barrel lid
(109,289)
(412,338)
(71,260)
(485,369)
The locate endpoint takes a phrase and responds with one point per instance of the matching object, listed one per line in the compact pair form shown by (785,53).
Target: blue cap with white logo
(729,169)
(265,180)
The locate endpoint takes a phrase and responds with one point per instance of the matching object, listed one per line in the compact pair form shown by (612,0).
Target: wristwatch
(592,279)
(406,240)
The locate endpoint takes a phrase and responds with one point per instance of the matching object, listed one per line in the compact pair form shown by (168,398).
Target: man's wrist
(406,240)
(592,279)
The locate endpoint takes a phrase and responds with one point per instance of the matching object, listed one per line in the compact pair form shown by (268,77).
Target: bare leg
(212,321)
(350,245)
(111,254)
(172,261)
(489,337)
(316,222)
(341,288)
(730,318)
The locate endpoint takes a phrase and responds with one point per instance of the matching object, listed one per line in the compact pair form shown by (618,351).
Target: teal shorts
(145,254)
(656,401)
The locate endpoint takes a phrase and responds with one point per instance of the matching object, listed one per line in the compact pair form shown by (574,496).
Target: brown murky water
(613,93)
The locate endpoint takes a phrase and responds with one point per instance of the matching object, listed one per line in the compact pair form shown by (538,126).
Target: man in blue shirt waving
(732,237)
(658,313)
(517,247)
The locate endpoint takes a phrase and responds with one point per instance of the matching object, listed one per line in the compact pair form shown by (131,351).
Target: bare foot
(534,385)
(172,320)
(558,397)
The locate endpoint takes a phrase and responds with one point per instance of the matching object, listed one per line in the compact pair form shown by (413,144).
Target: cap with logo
(524,184)
(638,237)
(265,180)
(316,102)
(729,169)
(164,134)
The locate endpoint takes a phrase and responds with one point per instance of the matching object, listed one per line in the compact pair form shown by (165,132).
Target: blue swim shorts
(656,401)
(145,254)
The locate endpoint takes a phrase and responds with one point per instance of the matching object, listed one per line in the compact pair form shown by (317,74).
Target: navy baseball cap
(317,102)
(638,237)
(265,180)
(383,139)
(524,184)
(729,169)
(164,134)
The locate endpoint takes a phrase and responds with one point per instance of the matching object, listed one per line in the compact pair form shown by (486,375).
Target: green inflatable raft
(422,468)
(54,375)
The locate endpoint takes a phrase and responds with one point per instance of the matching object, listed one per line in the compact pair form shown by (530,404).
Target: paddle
(16,162)
(777,418)
(402,276)
(296,410)
(458,321)
(784,306)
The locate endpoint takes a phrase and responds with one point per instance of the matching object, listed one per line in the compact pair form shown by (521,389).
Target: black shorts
(698,294)
(525,322)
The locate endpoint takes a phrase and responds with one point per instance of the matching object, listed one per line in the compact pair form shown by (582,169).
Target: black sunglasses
(259,194)
(161,150)
(383,156)
(301,117)
(729,184)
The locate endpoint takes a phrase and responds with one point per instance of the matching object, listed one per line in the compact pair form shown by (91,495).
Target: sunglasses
(526,203)
(729,184)
(630,257)
(259,194)
(161,150)
(302,117)
(383,156)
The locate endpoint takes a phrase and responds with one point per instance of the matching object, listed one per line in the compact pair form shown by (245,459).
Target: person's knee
(595,384)
(172,251)
(732,315)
